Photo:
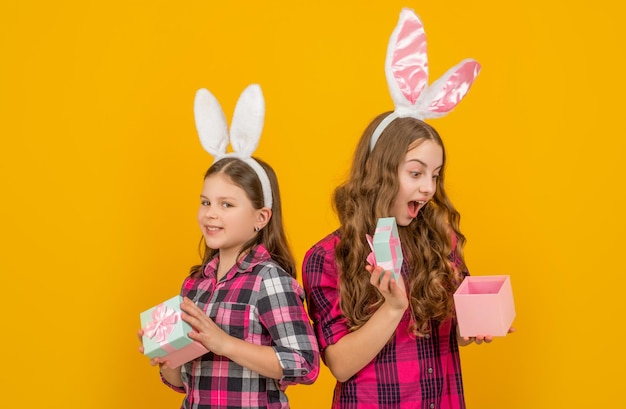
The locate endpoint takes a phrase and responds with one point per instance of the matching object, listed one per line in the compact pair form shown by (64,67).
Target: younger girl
(243,301)
(394,344)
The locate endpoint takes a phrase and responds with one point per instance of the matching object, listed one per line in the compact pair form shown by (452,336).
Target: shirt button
(427,336)
(430,370)
(304,372)
(432,405)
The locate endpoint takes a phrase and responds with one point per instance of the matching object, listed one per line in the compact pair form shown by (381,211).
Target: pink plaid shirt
(409,372)
(262,304)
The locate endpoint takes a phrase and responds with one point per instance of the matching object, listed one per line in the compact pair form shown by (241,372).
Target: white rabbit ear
(406,64)
(210,123)
(248,119)
(445,93)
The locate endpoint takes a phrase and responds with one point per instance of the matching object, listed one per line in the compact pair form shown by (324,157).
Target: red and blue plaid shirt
(409,372)
(259,303)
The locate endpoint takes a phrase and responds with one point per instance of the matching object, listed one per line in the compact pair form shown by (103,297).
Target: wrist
(228,347)
(391,312)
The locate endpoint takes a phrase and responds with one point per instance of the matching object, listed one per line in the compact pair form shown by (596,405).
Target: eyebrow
(423,163)
(219,198)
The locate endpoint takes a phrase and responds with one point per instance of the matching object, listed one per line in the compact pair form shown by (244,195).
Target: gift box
(165,334)
(484,305)
(386,246)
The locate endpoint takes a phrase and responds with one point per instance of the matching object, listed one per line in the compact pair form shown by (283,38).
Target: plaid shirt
(262,304)
(409,372)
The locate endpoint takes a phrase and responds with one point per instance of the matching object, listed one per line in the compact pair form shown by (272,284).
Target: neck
(228,258)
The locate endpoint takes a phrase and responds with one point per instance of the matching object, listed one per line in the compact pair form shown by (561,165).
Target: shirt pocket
(234,319)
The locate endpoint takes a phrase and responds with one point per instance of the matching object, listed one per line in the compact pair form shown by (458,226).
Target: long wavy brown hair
(367,195)
(272,236)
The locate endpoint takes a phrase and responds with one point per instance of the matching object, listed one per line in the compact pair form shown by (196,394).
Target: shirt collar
(255,256)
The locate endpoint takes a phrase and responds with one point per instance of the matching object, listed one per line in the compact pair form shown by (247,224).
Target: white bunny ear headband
(406,69)
(245,131)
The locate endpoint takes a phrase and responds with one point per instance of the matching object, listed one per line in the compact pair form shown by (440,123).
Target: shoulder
(271,269)
(325,247)
(274,279)
(319,264)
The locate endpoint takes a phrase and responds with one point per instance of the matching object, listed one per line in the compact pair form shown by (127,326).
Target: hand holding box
(165,334)
(484,306)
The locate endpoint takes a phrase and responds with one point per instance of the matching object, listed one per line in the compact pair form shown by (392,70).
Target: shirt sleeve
(281,311)
(176,388)
(321,283)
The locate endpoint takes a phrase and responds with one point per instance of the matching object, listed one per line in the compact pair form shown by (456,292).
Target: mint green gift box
(387,248)
(165,334)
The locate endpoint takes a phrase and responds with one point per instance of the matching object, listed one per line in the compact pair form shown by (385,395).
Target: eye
(415,174)
(204,203)
(435,177)
(226,204)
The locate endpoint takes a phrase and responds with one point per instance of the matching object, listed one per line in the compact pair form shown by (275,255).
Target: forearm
(462,342)
(172,376)
(355,350)
(258,358)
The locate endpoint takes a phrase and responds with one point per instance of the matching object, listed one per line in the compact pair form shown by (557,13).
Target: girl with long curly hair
(388,341)
(394,343)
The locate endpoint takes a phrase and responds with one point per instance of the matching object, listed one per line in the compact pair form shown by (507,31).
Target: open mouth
(414,207)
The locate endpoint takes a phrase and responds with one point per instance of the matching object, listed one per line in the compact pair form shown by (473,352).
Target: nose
(428,185)
(207,212)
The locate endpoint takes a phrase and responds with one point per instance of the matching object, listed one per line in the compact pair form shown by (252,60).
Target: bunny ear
(406,64)
(248,119)
(445,93)
(210,123)
(406,69)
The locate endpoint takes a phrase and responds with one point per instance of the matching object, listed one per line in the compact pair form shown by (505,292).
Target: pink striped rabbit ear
(210,123)
(406,69)
(444,94)
(248,119)
(406,64)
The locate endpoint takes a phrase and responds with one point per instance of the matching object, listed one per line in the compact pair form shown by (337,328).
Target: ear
(247,123)
(210,123)
(264,215)
(406,64)
(446,93)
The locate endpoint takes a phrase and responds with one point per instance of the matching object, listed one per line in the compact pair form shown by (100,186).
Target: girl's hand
(162,362)
(154,361)
(478,339)
(205,330)
(394,292)
(140,336)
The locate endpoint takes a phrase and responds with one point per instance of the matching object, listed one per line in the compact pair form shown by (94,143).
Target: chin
(405,221)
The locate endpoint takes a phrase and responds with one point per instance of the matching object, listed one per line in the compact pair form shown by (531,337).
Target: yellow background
(101,168)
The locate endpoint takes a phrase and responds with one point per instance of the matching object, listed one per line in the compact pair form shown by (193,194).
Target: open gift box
(165,334)
(386,247)
(484,305)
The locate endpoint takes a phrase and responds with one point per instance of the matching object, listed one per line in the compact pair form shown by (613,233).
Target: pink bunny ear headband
(245,131)
(406,69)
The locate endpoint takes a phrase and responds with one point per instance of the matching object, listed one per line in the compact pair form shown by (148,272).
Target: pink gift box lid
(484,305)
